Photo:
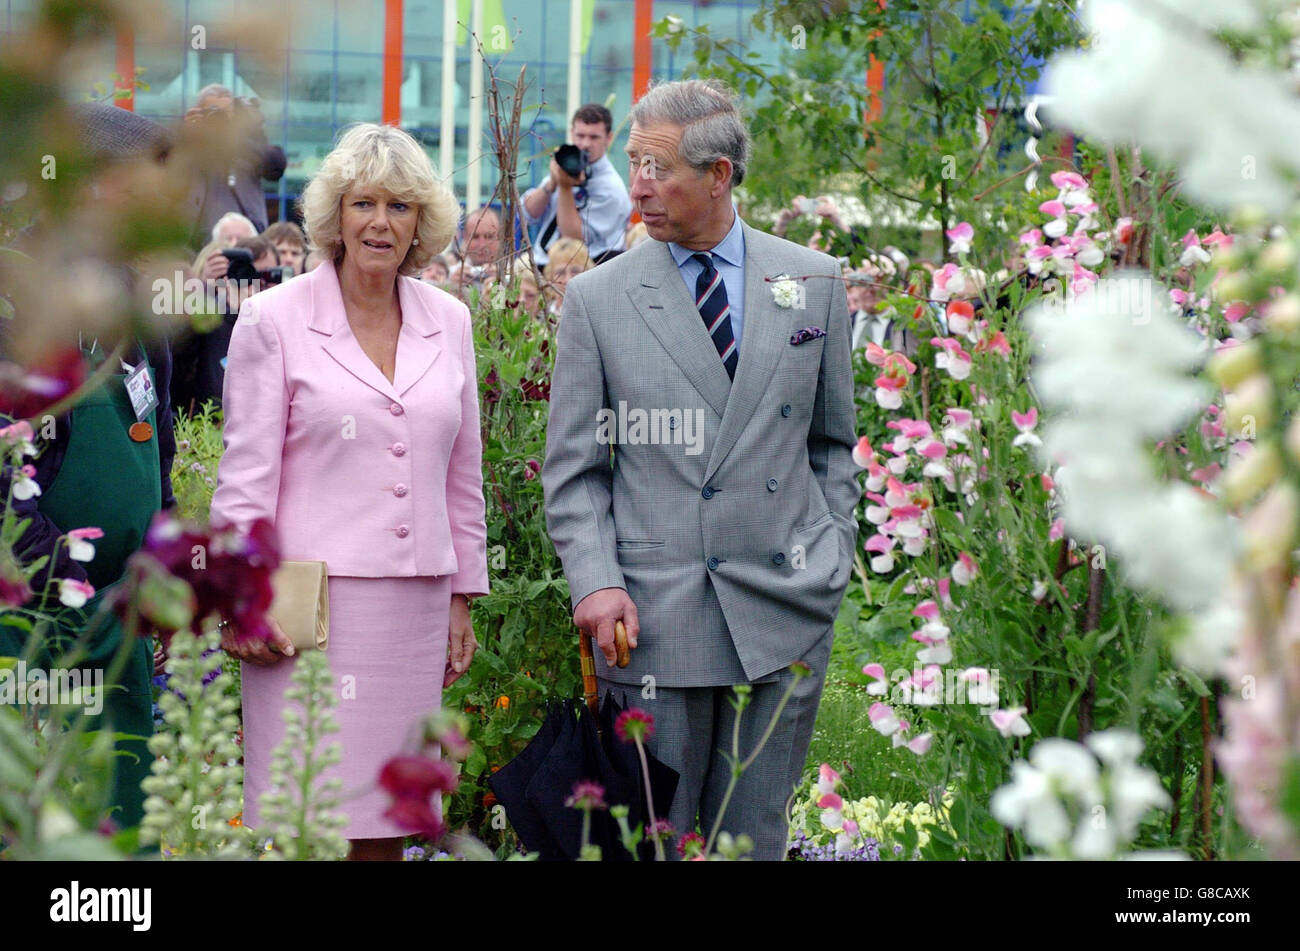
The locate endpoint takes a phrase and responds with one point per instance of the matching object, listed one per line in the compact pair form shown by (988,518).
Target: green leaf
(476,762)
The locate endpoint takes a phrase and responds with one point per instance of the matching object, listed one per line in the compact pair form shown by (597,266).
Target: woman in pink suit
(351,421)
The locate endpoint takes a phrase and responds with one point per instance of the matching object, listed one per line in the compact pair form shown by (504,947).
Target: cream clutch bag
(302,603)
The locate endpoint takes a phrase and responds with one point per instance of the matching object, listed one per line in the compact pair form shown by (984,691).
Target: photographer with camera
(238,187)
(583,198)
(199,359)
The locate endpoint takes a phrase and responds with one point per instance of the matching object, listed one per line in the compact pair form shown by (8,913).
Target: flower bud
(1251,474)
(1249,408)
(1229,257)
(1231,365)
(1283,315)
(1269,529)
(1278,258)
(1248,216)
(1293,440)
(1233,286)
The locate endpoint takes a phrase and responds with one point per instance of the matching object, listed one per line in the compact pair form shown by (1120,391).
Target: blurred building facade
(331,72)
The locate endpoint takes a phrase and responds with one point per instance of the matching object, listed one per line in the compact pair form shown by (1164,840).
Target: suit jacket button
(713,564)
(772,484)
(707,492)
(403,531)
(778,559)
(399,490)
(399,449)
(786,409)
(395,409)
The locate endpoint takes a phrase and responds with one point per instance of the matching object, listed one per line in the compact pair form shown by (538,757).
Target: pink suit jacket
(376,479)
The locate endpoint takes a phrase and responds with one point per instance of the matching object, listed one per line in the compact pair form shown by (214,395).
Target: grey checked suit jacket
(736,546)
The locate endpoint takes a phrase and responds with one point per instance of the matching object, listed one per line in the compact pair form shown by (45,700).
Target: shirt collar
(731,248)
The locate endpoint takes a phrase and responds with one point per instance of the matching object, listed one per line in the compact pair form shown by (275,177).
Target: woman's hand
(259,653)
(461,644)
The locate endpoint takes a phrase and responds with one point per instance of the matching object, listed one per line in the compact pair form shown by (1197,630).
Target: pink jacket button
(402,531)
(395,409)
(399,490)
(399,449)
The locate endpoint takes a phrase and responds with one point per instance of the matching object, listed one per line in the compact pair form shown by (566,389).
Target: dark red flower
(491,387)
(634,724)
(26,392)
(536,390)
(587,795)
(413,781)
(690,845)
(227,573)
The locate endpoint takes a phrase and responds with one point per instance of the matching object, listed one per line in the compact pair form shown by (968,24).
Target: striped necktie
(711,301)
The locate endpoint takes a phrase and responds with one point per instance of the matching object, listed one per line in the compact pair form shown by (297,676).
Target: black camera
(240,268)
(573,160)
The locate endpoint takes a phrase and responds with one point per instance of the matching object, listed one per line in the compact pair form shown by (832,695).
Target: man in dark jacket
(239,187)
(104,466)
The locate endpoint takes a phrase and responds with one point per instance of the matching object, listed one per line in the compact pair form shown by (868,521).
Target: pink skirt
(388,656)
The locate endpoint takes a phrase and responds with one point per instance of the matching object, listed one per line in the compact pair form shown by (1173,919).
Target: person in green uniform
(106,465)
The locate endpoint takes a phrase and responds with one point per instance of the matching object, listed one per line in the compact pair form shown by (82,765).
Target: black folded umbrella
(573,744)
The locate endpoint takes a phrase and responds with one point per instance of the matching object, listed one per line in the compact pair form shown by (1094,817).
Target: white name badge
(139,386)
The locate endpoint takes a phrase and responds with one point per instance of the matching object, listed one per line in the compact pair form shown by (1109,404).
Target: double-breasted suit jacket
(727,510)
(377,479)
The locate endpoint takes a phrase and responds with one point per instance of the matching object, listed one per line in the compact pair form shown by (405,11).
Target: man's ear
(721,174)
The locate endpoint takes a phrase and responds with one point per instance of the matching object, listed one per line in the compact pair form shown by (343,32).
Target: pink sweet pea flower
(827,779)
(876,354)
(996,344)
(951,357)
(882,718)
(863,454)
(73,593)
(1057,531)
(1010,722)
(961,316)
(1032,237)
(883,546)
(920,745)
(1025,422)
(1068,180)
(964,569)
(879,682)
(830,801)
(960,237)
(79,546)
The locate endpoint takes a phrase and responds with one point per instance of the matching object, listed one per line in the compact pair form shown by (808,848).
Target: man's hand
(461,643)
(563,178)
(258,653)
(596,614)
(215,267)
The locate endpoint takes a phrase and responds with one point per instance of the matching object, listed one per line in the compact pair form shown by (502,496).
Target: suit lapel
(417,346)
(669,311)
(416,350)
(765,331)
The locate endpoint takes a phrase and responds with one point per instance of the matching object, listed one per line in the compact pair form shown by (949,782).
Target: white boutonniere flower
(785,291)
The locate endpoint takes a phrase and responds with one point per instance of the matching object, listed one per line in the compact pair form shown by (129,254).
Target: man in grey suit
(720,529)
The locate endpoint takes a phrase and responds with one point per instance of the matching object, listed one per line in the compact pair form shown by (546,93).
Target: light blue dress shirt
(604,217)
(729,259)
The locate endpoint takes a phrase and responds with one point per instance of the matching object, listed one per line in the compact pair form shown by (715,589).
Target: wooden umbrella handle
(588,661)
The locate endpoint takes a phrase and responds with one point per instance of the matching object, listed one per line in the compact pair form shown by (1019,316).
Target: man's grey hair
(708,113)
(231,216)
(214,91)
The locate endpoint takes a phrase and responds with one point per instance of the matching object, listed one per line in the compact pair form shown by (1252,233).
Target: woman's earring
(415,241)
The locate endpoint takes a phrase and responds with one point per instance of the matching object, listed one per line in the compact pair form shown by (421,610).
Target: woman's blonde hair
(201,260)
(386,157)
(567,252)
